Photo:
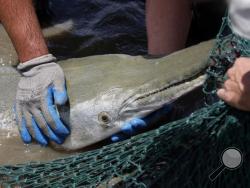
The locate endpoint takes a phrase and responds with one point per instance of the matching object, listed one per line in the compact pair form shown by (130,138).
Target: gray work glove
(40,89)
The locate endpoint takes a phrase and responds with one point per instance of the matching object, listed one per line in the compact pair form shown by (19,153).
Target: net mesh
(179,154)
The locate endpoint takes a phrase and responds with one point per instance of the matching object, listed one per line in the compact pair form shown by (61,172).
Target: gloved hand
(129,129)
(41,88)
(136,125)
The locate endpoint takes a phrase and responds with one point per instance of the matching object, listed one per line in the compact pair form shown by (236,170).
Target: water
(99,27)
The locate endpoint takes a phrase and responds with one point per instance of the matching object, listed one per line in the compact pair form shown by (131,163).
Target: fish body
(108,90)
(113,89)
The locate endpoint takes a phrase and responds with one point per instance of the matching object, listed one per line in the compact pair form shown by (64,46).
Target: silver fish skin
(108,90)
(126,87)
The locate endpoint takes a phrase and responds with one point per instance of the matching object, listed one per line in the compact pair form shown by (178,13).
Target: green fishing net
(179,154)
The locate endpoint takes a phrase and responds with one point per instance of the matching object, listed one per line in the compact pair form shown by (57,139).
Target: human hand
(236,89)
(129,129)
(41,88)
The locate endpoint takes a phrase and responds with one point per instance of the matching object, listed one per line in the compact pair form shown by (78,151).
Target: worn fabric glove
(41,88)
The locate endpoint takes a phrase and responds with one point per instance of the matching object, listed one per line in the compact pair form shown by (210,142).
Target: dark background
(115,26)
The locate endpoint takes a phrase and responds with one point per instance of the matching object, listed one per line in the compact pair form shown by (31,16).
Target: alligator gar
(107,90)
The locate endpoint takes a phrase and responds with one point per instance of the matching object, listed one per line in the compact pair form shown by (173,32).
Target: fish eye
(104,118)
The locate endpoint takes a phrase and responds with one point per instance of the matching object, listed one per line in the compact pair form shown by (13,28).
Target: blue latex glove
(137,125)
(40,89)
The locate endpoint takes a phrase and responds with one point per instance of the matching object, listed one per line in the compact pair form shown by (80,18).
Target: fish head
(96,119)
(99,118)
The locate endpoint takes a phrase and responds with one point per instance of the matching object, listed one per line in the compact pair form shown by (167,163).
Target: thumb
(222,94)
(229,97)
(60,94)
(59,89)
(118,137)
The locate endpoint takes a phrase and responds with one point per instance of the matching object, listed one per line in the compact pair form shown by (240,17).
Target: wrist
(31,54)
(48,58)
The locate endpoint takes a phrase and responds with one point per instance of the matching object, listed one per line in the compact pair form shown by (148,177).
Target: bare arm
(21,23)
(168,23)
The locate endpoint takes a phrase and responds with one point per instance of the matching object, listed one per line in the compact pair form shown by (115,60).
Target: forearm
(21,23)
(168,23)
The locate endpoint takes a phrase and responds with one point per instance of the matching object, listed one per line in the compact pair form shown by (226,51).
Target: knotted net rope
(179,154)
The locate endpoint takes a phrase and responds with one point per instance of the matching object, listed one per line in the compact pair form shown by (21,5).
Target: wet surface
(13,151)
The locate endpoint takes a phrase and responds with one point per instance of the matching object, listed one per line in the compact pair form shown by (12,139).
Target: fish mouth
(181,86)
(166,87)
